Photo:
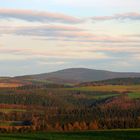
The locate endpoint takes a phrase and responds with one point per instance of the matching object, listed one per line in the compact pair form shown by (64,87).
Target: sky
(39,36)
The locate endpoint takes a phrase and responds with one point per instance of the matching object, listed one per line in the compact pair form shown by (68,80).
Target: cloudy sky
(38,36)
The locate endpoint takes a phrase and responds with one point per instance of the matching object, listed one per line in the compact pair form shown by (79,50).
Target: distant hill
(77,75)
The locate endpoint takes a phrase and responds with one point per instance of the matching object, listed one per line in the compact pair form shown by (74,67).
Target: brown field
(9,85)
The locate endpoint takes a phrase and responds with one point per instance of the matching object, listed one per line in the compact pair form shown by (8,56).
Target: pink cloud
(37,16)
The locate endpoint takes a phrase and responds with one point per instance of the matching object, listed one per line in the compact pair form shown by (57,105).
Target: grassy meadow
(8,110)
(109,88)
(89,135)
(134,95)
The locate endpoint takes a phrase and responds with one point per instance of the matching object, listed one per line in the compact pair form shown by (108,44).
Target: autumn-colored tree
(58,127)
(70,127)
(83,126)
(76,126)
(93,125)
(65,127)
(49,127)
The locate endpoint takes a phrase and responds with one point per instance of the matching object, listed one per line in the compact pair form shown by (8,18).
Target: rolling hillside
(77,75)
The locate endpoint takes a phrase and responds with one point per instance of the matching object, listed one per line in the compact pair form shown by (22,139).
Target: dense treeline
(116,81)
(52,97)
(74,119)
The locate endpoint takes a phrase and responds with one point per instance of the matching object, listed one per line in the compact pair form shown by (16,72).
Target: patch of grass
(134,95)
(89,135)
(8,110)
(5,123)
(109,88)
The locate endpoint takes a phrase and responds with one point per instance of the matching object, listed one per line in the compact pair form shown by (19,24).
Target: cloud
(49,17)
(40,30)
(124,16)
(92,52)
(61,53)
(49,30)
(38,16)
(66,34)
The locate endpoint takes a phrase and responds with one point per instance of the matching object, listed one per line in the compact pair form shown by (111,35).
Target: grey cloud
(124,16)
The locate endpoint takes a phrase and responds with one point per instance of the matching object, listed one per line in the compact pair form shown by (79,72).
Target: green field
(134,95)
(118,88)
(96,135)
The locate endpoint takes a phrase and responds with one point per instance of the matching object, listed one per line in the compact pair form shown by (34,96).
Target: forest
(66,108)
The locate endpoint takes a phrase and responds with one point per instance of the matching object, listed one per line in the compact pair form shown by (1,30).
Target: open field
(8,110)
(117,88)
(96,135)
(134,95)
(9,85)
